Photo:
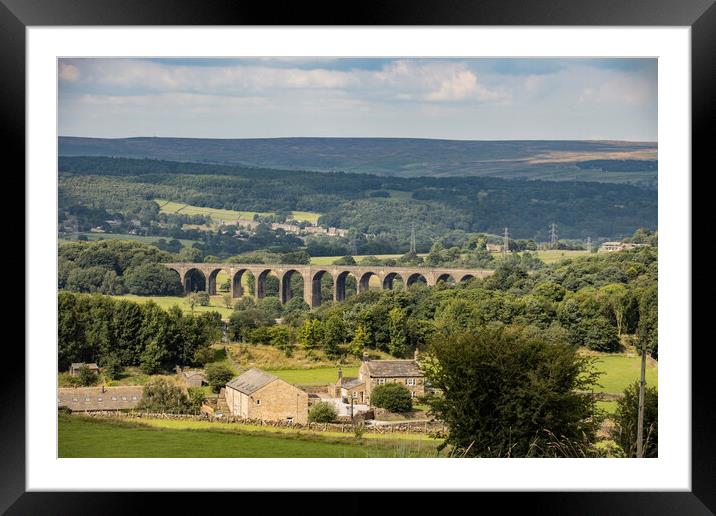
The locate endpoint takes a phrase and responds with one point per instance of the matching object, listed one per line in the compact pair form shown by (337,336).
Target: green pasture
(621,370)
(166,302)
(79,436)
(218,214)
(316,376)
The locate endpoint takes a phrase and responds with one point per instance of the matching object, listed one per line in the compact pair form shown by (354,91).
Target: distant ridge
(634,162)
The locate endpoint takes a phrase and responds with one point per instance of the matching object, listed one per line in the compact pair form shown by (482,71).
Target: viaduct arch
(312,275)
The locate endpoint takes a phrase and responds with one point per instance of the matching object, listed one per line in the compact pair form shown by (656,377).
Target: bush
(599,334)
(322,412)
(217,375)
(626,419)
(162,395)
(394,397)
(203,299)
(196,398)
(86,376)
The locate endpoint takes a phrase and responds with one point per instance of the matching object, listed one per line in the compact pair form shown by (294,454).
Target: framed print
(420,245)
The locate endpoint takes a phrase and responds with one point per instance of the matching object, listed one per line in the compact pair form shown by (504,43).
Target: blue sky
(451,98)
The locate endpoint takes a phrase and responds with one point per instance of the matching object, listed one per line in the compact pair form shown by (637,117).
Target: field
(316,376)
(555,255)
(125,236)
(226,215)
(166,302)
(621,370)
(79,436)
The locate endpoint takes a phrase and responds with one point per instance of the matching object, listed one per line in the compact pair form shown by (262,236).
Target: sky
(446,98)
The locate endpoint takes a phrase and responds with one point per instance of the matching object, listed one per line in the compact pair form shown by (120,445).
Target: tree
(218,375)
(162,395)
(599,334)
(309,334)
(394,397)
(151,279)
(322,412)
(333,334)
(616,298)
(112,366)
(359,342)
(228,300)
(202,298)
(507,393)
(625,421)
(196,398)
(397,329)
(86,376)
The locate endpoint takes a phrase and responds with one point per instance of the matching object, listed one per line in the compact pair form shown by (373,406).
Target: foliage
(94,328)
(626,419)
(322,412)
(394,397)
(502,388)
(196,398)
(218,375)
(163,395)
(86,376)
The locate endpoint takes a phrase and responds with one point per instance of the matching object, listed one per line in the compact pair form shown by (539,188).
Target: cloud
(68,72)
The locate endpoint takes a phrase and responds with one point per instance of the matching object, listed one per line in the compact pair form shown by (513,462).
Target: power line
(506,242)
(553,235)
(412,238)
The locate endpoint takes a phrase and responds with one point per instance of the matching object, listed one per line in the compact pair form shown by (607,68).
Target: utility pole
(553,235)
(506,242)
(412,238)
(589,244)
(640,421)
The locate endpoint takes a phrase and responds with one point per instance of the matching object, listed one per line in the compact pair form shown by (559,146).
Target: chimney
(365,357)
(340,376)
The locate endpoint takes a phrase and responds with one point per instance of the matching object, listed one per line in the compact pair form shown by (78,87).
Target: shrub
(86,376)
(196,398)
(162,395)
(626,419)
(322,412)
(394,397)
(217,375)
(202,298)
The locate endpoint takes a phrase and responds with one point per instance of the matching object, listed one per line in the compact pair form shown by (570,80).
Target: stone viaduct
(312,275)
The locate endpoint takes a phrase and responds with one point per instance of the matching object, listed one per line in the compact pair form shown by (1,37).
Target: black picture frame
(17,15)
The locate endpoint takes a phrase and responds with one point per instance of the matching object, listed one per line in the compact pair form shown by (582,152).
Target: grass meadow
(80,436)
(218,214)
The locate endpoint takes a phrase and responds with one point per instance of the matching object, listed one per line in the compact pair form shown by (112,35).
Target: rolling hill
(560,160)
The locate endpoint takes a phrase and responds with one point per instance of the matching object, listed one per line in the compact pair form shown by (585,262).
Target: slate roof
(79,399)
(393,368)
(351,383)
(251,381)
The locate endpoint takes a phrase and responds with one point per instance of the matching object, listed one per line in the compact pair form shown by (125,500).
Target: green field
(166,302)
(316,376)
(79,436)
(125,236)
(621,370)
(555,255)
(549,256)
(218,214)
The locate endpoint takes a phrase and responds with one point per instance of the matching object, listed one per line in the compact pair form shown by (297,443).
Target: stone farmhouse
(76,366)
(89,399)
(256,394)
(379,372)
(618,246)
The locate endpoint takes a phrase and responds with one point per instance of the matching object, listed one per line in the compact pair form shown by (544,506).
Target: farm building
(256,394)
(194,377)
(76,366)
(379,372)
(87,399)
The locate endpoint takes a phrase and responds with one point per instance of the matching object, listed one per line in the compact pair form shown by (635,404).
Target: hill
(444,208)
(559,160)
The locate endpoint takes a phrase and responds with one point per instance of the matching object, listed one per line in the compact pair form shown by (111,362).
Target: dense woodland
(441,208)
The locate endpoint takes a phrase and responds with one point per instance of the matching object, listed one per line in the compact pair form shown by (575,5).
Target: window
(99,399)
(87,399)
(114,398)
(258,402)
(355,394)
(124,398)
(410,381)
(75,399)
(134,397)
(412,394)
(289,419)
(381,381)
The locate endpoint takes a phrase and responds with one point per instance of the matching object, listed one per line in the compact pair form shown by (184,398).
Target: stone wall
(431,427)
